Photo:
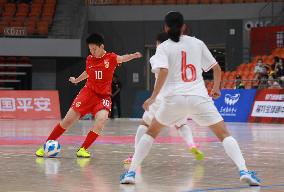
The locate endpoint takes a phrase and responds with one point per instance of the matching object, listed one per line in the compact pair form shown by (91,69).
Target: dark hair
(174,20)
(95,38)
(161,37)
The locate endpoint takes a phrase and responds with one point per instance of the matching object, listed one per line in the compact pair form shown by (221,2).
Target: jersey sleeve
(208,61)
(154,66)
(159,60)
(114,59)
(88,61)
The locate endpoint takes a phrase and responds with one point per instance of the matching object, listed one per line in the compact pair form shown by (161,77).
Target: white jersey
(185,61)
(154,61)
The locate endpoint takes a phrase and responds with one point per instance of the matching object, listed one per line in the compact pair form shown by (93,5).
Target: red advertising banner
(268,106)
(264,39)
(29,105)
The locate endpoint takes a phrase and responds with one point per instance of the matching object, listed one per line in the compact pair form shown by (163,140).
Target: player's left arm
(162,76)
(215,92)
(128,57)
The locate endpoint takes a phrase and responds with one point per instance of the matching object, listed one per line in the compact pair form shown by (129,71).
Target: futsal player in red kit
(94,97)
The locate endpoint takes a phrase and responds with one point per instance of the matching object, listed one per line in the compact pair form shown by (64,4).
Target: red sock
(57,132)
(91,137)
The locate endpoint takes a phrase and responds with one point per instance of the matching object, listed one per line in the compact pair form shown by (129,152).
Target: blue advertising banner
(235,104)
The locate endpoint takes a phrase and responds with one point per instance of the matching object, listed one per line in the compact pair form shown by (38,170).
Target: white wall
(35,47)
(190,12)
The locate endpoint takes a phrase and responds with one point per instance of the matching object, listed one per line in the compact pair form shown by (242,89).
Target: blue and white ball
(51,148)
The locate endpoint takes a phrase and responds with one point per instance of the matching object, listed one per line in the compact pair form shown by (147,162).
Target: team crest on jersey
(106,62)
(78,104)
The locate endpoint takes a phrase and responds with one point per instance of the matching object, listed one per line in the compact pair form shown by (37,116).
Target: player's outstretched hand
(147,103)
(215,93)
(72,80)
(137,55)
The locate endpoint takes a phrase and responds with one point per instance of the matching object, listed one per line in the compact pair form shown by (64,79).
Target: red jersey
(100,71)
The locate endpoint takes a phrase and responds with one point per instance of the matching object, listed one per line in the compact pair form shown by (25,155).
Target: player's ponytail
(174,34)
(174,20)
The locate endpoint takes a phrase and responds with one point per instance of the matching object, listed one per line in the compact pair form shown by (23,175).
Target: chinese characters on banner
(29,105)
(268,107)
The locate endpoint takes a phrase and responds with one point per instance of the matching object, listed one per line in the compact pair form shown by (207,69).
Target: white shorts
(149,115)
(202,110)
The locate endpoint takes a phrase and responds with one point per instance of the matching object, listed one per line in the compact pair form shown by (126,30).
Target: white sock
(140,132)
(233,151)
(141,151)
(186,133)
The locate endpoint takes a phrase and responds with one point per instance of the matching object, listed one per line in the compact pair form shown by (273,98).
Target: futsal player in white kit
(181,62)
(183,129)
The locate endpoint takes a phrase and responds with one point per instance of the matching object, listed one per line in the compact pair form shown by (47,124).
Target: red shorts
(87,101)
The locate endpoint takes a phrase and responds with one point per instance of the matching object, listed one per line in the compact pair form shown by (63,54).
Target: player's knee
(220,130)
(155,128)
(101,120)
(153,132)
(67,122)
(144,123)
(99,125)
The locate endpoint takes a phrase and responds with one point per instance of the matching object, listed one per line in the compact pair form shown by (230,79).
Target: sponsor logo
(229,108)
(232,99)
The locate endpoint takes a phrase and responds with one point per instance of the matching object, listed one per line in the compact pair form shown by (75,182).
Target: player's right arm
(215,92)
(162,76)
(82,77)
(159,65)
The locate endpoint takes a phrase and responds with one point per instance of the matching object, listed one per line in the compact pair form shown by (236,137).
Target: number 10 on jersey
(185,67)
(99,74)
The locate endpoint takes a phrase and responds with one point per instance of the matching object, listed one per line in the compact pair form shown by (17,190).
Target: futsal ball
(51,148)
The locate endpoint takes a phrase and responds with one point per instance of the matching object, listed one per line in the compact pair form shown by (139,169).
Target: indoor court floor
(168,168)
